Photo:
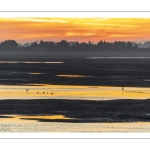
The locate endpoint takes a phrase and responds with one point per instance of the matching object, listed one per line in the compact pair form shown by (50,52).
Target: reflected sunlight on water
(41,91)
(23,118)
(35,73)
(30,62)
(73,76)
(118,57)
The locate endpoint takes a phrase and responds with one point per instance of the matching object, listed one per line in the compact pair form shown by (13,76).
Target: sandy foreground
(18,125)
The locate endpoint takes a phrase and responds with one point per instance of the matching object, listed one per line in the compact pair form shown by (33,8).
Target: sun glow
(74,29)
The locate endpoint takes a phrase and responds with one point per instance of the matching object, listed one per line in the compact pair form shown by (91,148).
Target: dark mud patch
(6,117)
(80,111)
(101,72)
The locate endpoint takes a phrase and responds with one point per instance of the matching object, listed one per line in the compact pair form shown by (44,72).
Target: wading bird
(27,90)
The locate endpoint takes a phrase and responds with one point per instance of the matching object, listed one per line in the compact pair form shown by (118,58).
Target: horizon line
(37,41)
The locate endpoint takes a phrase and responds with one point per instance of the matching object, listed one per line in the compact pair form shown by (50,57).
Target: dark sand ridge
(80,110)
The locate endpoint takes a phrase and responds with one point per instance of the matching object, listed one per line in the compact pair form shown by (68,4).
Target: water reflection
(45,91)
(9,62)
(73,76)
(147,80)
(35,73)
(117,57)
(25,118)
(30,62)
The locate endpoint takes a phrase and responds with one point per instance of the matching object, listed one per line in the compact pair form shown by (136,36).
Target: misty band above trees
(64,45)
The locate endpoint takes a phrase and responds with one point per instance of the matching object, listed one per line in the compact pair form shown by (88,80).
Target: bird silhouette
(27,90)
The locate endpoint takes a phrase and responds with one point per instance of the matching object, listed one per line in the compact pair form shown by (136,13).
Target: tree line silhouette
(64,45)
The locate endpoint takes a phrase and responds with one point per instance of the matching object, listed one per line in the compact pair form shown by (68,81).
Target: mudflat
(101,69)
(79,111)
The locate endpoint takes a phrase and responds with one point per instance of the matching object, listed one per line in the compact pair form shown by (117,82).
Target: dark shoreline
(81,111)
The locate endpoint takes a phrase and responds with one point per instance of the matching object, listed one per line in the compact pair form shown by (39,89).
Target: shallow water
(73,76)
(118,57)
(31,62)
(41,91)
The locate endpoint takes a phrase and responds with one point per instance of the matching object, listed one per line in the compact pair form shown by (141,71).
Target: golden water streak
(24,118)
(72,92)
(73,76)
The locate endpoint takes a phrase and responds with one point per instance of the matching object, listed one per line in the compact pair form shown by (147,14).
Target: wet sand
(45,91)
(79,111)
(32,126)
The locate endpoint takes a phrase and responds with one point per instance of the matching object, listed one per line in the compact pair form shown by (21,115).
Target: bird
(52,93)
(27,90)
(122,88)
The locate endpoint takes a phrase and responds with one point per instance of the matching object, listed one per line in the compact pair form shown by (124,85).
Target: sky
(82,29)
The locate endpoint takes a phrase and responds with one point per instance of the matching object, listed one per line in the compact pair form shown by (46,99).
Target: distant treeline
(68,46)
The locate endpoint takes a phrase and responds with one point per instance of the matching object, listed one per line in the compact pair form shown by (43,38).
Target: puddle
(147,80)
(26,118)
(35,73)
(29,62)
(73,76)
(117,57)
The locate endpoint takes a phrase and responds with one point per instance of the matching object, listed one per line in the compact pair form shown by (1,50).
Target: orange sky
(74,29)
